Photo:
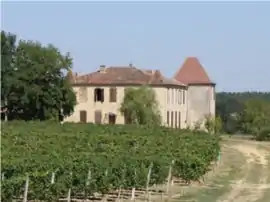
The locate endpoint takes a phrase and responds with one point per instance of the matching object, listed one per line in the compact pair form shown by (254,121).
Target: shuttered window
(172,119)
(184,97)
(168,118)
(179,119)
(113,94)
(175,117)
(83,116)
(98,117)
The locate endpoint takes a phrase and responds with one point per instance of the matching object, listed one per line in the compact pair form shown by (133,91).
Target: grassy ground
(242,175)
(266,196)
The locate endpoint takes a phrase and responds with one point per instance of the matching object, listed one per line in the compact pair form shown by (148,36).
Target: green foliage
(33,80)
(210,124)
(230,105)
(140,106)
(256,117)
(213,124)
(218,125)
(8,78)
(124,152)
(263,135)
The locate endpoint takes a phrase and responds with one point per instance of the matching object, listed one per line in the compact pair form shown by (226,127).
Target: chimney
(102,68)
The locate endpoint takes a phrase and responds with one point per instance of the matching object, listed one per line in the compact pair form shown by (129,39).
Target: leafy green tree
(8,71)
(256,116)
(218,124)
(140,106)
(230,105)
(40,89)
(213,124)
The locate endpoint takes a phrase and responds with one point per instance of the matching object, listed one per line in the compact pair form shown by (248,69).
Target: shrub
(263,135)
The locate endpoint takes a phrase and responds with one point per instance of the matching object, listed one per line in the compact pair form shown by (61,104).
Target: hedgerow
(89,158)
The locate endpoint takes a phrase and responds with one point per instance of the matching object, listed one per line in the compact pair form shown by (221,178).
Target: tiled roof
(123,75)
(192,72)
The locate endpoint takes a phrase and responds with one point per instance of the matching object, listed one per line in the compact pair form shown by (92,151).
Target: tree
(230,105)
(8,78)
(213,125)
(140,106)
(256,116)
(42,89)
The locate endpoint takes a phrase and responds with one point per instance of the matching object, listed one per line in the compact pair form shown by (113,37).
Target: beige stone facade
(100,94)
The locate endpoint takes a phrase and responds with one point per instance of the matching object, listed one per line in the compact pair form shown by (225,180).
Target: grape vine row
(89,158)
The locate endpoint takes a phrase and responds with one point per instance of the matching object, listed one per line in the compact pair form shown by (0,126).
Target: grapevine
(115,155)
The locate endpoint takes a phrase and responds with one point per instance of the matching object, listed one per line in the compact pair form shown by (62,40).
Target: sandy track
(242,190)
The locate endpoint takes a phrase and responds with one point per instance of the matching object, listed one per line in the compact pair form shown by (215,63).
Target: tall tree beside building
(39,88)
(8,77)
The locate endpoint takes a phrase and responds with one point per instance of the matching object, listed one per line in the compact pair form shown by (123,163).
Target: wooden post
(3,176)
(53,178)
(148,180)
(69,191)
(169,183)
(133,194)
(69,195)
(88,178)
(6,112)
(119,194)
(133,189)
(105,197)
(26,189)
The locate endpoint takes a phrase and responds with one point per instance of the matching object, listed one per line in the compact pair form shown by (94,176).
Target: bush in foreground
(92,158)
(263,135)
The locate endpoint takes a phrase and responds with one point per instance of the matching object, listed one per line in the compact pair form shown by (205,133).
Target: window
(99,95)
(172,96)
(172,119)
(168,95)
(175,116)
(82,94)
(184,96)
(179,119)
(168,118)
(83,116)
(98,117)
(112,118)
(113,94)
(180,96)
(176,96)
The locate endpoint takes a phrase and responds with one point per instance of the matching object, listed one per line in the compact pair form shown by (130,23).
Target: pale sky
(232,40)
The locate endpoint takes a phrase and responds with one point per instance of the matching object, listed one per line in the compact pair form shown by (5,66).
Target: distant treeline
(229,104)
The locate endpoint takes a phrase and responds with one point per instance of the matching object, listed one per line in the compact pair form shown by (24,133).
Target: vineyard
(83,159)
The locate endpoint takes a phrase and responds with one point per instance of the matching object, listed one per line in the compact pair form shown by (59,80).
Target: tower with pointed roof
(201,91)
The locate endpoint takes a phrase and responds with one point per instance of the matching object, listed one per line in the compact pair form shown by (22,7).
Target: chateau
(184,100)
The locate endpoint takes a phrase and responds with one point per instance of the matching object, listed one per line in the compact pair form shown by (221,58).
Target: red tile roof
(123,75)
(192,72)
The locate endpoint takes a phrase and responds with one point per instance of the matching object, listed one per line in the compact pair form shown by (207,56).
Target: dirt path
(242,175)
(246,189)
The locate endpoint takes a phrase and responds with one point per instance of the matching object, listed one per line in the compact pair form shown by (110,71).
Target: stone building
(183,100)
